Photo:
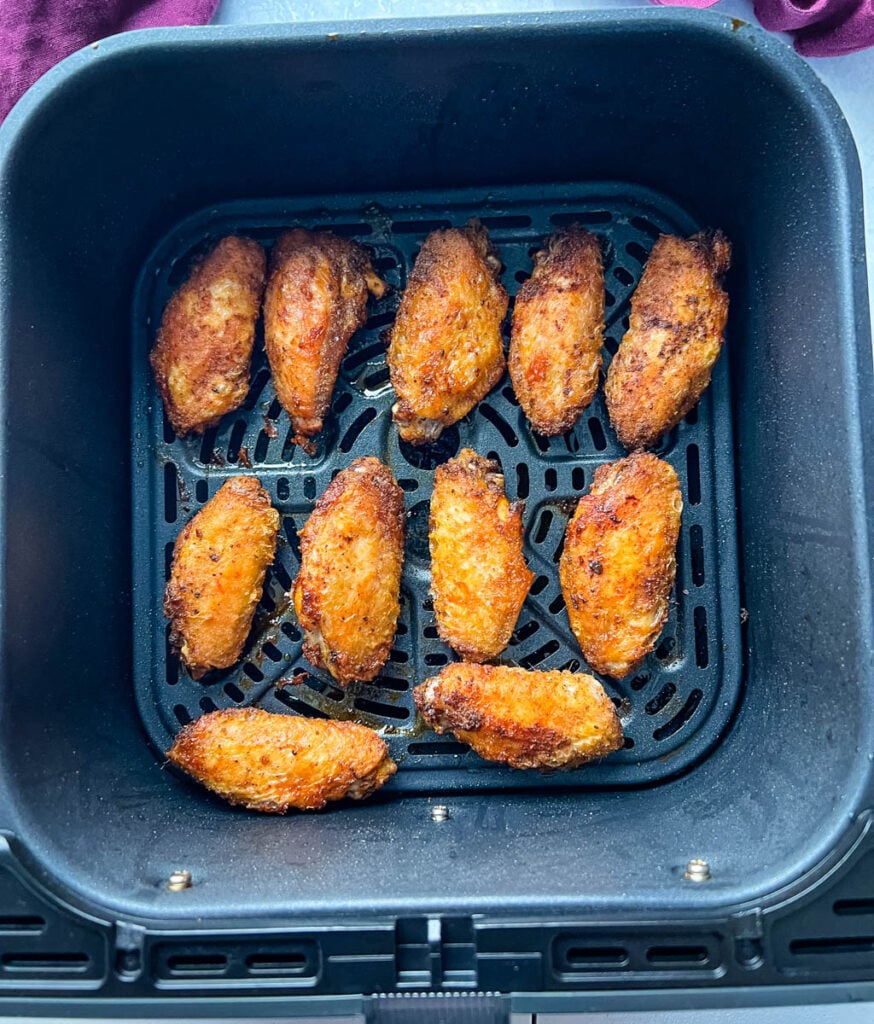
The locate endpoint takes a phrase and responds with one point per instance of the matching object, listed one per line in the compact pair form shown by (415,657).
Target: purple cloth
(35,34)
(822,28)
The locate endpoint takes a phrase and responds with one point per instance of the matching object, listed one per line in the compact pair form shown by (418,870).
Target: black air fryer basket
(749,729)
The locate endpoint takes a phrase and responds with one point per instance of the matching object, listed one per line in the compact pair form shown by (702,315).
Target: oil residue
(565,506)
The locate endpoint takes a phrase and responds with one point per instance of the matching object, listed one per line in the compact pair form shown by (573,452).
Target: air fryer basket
(681,698)
(550,894)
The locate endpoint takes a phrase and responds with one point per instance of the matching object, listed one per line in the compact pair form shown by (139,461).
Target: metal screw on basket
(439,812)
(179,880)
(697,871)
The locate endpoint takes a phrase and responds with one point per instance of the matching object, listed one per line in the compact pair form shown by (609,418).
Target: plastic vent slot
(46,963)
(596,958)
(276,964)
(196,965)
(678,956)
(847,908)
(22,923)
(833,945)
(674,706)
(225,964)
(629,952)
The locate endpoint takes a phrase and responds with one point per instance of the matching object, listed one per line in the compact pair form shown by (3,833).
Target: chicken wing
(558,331)
(270,763)
(219,563)
(347,594)
(524,719)
(316,299)
(446,351)
(479,577)
(675,334)
(618,563)
(203,351)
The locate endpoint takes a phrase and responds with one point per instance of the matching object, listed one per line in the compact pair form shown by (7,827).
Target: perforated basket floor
(680,700)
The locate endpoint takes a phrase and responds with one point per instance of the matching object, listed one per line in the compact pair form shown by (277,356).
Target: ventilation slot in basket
(564,220)
(372,707)
(55,963)
(595,958)
(21,923)
(678,956)
(278,964)
(448,747)
(832,945)
(845,908)
(200,965)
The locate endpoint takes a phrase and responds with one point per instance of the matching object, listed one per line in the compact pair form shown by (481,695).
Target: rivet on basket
(179,880)
(697,871)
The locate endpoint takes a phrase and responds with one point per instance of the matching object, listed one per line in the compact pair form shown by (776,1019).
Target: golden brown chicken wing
(558,331)
(479,577)
(316,300)
(219,563)
(203,351)
(678,314)
(618,563)
(347,594)
(446,351)
(271,762)
(524,719)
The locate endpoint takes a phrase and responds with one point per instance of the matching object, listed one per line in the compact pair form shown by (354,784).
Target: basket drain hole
(430,456)
(417,530)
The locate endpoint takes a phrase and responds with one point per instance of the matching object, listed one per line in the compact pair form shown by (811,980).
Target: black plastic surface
(123,142)
(679,700)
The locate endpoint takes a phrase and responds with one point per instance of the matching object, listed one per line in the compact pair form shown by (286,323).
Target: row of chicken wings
(446,350)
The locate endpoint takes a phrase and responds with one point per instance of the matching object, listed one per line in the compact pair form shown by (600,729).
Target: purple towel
(822,28)
(35,34)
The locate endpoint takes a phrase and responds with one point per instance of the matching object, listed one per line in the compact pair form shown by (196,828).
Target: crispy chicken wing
(446,351)
(271,762)
(479,577)
(524,719)
(347,594)
(678,314)
(316,300)
(219,563)
(618,563)
(203,351)
(558,331)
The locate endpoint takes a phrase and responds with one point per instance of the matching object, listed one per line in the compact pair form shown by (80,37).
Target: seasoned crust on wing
(316,299)
(675,334)
(525,719)
(558,332)
(220,560)
(479,577)
(347,593)
(203,351)
(269,762)
(446,351)
(618,565)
